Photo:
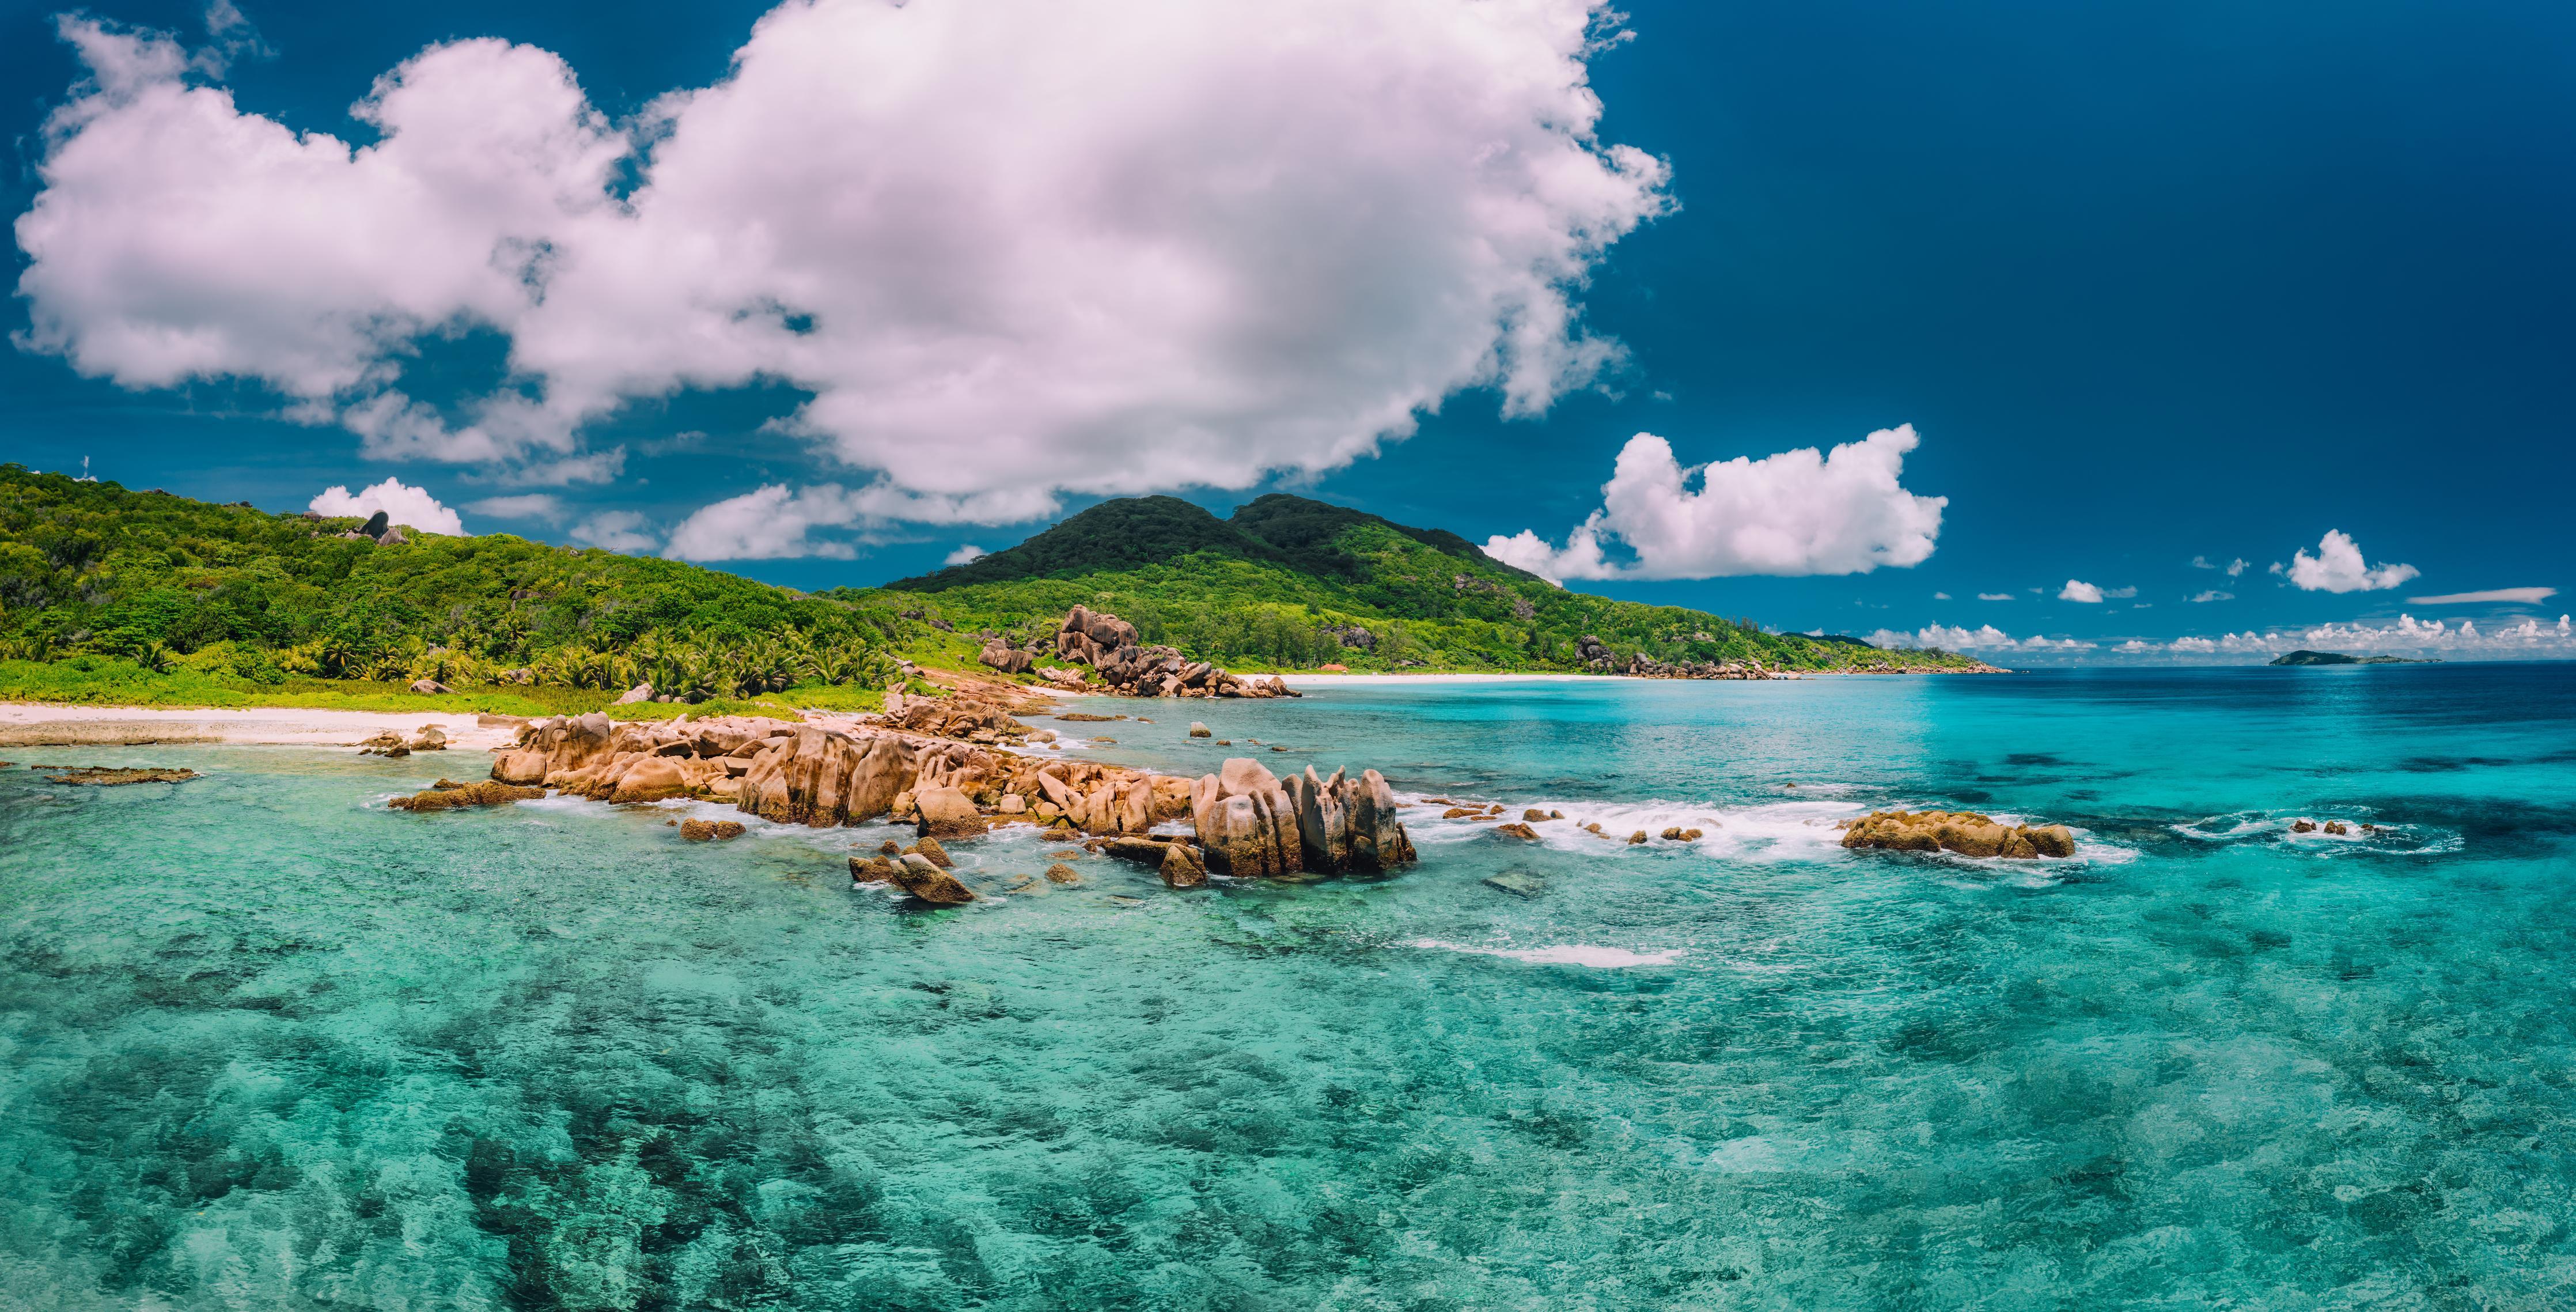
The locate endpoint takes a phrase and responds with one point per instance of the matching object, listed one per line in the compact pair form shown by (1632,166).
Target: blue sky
(2149,283)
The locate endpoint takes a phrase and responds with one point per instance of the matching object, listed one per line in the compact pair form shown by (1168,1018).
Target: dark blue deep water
(266,1044)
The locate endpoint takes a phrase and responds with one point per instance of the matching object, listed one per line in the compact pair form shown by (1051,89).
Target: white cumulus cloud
(614,530)
(2078,590)
(1795,513)
(966,554)
(542,506)
(2338,567)
(1994,596)
(777,521)
(402,503)
(2213,594)
(1009,246)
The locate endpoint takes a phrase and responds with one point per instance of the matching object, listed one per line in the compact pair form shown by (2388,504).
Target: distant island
(2338,658)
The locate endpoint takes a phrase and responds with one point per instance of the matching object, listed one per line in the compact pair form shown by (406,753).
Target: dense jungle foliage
(170,586)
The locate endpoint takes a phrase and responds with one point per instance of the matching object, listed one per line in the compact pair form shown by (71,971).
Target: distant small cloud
(1994,596)
(2120,593)
(2338,567)
(543,506)
(2236,567)
(614,530)
(2213,594)
(402,503)
(2524,596)
(1940,596)
(965,555)
(1985,637)
(2078,590)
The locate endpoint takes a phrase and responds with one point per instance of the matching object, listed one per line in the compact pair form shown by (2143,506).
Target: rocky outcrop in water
(1967,833)
(448,795)
(1250,822)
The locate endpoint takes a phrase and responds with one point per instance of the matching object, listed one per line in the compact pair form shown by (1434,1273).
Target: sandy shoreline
(34,724)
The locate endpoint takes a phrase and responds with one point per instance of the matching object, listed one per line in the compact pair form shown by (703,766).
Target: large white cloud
(1798,512)
(403,504)
(2339,567)
(775,520)
(1011,246)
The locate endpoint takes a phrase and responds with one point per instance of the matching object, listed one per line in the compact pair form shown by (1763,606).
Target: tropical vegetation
(102,581)
(1292,583)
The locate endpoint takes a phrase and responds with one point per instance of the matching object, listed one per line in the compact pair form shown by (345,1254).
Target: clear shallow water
(269,1045)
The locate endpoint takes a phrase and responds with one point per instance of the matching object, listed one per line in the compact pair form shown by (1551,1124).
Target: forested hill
(227,591)
(1292,582)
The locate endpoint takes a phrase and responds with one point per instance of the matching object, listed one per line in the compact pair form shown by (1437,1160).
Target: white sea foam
(1561,954)
(1799,830)
(1805,829)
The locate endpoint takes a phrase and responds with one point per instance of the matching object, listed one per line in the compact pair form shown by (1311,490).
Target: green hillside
(149,596)
(114,595)
(1291,583)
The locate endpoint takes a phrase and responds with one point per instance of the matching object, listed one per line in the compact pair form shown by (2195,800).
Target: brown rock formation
(699,831)
(1182,866)
(1967,833)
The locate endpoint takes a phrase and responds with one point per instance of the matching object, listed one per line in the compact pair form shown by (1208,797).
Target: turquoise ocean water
(266,1044)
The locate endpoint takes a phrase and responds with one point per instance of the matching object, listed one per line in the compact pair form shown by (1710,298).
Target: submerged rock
(915,874)
(1518,883)
(449,796)
(1967,833)
(107,776)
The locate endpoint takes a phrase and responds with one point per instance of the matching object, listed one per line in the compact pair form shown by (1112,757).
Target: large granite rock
(555,747)
(819,777)
(1247,823)
(947,813)
(650,779)
(1349,825)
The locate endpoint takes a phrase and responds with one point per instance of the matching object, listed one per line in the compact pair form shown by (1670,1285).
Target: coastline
(43,724)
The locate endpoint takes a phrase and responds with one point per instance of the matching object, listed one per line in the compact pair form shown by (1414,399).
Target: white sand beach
(30,724)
